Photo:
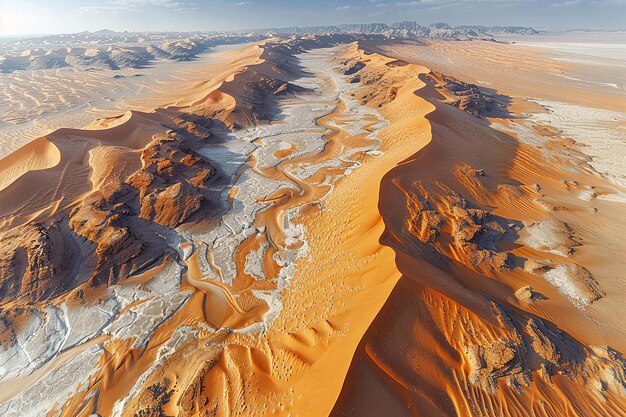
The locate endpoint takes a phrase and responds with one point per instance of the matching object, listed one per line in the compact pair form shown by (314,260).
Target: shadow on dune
(450,340)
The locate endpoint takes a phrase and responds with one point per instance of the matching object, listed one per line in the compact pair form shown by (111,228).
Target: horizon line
(250,30)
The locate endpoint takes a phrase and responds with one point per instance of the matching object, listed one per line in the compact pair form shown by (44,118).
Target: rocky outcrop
(471,234)
(102,222)
(106,226)
(171,182)
(535,348)
(171,206)
(35,262)
(527,294)
(464,96)
(491,362)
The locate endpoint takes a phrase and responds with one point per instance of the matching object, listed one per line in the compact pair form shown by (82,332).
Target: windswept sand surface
(524,70)
(504,239)
(36,102)
(299,228)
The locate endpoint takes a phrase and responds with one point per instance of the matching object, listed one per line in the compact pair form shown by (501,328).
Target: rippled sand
(370,240)
(36,102)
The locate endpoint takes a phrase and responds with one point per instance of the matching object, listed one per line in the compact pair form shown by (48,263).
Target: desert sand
(323,225)
(41,100)
(515,206)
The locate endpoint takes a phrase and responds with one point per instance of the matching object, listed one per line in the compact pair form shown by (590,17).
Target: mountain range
(407,29)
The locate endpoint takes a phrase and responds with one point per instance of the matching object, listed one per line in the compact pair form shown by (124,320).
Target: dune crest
(38,155)
(471,201)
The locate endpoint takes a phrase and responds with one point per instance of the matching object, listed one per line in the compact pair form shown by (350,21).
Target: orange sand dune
(515,70)
(451,269)
(37,155)
(69,158)
(62,158)
(448,341)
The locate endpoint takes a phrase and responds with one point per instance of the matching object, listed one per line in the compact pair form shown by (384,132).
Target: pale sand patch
(36,102)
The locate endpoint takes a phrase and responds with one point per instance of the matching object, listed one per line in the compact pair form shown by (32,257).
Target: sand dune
(38,101)
(317,227)
(469,198)
(36,156)
(111,50)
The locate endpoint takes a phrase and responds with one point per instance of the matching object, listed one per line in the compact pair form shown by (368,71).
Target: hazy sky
(63,16)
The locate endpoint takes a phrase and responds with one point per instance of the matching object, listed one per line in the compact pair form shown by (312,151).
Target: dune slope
(503,307)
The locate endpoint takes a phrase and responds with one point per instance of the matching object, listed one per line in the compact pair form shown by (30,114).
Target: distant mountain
(405,29)
(105,32)
(500,30)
